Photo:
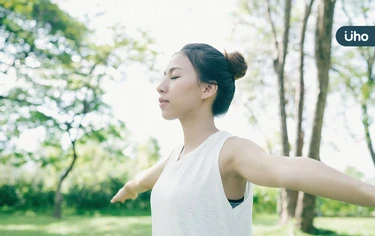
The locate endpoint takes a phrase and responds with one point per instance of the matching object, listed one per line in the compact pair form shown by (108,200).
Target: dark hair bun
(237,64)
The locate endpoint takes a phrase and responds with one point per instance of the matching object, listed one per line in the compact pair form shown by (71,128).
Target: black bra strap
(237,200)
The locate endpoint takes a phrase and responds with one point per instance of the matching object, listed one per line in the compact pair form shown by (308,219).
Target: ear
(208,90)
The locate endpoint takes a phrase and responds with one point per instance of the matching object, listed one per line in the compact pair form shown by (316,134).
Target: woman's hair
(214,67)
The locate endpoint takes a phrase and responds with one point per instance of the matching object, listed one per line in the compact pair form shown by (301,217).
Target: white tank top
(188,199)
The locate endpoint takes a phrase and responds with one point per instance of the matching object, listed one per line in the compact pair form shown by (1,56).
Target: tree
(34,35)
(323,40)
(274,30)
(288,197)
(300,93)
(62,90)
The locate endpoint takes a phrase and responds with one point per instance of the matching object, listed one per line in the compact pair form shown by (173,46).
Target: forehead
(179,60)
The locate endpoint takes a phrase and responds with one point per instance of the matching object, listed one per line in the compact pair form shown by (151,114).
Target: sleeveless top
(188,199)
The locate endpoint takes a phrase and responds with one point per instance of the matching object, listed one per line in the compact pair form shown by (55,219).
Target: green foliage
(354,66)
(9,196)
(62,90)
(265,200)
(85,196)
(26,194)
(147,154)
(61,78)
(329,207)
(90,186)
(31,194)
(93,196)
(26,24)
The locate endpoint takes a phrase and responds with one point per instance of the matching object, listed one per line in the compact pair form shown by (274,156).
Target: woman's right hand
(123,194)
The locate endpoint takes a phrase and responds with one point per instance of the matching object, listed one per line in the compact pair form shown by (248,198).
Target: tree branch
(288,8)
(273,29)
(346,12)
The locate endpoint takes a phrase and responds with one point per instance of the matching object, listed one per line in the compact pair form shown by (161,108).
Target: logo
(359,36)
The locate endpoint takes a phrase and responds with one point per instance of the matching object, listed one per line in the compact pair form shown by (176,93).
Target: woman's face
(180,87)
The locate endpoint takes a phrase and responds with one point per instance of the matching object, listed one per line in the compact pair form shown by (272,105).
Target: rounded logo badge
(356,36)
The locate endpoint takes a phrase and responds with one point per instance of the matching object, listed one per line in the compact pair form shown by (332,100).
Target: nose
(162,88)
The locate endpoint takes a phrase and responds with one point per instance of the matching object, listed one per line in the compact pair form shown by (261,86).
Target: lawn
(29,223)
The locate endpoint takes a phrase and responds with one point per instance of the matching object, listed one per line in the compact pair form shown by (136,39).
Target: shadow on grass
(139,229)
(327,232)
(112,212)
(134,230)
(268,225)
(24,232)
(67,212)
(84,227)
(31,223)
(138,223)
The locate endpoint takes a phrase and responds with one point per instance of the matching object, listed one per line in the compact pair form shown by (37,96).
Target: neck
(196,129)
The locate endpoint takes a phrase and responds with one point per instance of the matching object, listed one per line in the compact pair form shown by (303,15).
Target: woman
(204,187)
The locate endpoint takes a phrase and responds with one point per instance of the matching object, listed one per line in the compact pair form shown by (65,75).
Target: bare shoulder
(235,146)
(227,155)
(235,149)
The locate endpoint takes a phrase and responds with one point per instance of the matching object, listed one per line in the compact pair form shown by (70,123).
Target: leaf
(365,91)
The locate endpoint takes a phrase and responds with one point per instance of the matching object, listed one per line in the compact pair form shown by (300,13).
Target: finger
(114,199)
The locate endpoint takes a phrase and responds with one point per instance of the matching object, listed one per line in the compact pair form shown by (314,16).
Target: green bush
(329,207)
(99,196)
(265,199)
(9,195)
(25,194)
(92,196)
(86,195)
(34,194)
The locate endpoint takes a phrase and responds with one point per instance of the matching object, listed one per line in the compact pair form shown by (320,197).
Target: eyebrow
(172,68)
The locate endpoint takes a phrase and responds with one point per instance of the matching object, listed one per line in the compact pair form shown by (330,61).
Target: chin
(168,117)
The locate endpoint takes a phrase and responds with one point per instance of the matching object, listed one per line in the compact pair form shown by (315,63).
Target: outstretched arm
(144,181)
(297,173)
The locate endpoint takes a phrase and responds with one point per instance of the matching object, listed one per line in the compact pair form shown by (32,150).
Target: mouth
(162,100)
(163,104)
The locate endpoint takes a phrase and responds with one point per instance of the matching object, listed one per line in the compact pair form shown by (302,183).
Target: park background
(79,111)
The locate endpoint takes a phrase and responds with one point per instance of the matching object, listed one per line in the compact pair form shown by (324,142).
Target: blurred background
(79,114)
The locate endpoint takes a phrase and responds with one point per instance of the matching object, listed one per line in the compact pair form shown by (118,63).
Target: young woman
(204,187)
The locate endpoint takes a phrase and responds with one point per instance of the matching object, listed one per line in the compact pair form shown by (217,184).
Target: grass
(337,226)
(138,224)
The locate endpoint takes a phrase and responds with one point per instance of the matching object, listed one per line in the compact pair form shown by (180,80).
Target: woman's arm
(142,182)
(146,179)
(297,173)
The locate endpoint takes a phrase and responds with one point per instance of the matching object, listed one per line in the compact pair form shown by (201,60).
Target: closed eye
(175,77)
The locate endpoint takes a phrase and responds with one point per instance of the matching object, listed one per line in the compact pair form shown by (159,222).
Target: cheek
(188,94)
(185,94)
(190,102)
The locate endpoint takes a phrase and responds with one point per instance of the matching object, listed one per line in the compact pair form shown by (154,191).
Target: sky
(174,24)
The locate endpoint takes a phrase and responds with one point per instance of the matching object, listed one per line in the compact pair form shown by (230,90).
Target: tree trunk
(323,39)
(300,92)
(58,201)
(58,195)
(288,198)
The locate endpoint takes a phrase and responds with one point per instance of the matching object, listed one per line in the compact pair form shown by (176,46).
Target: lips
(163,100)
